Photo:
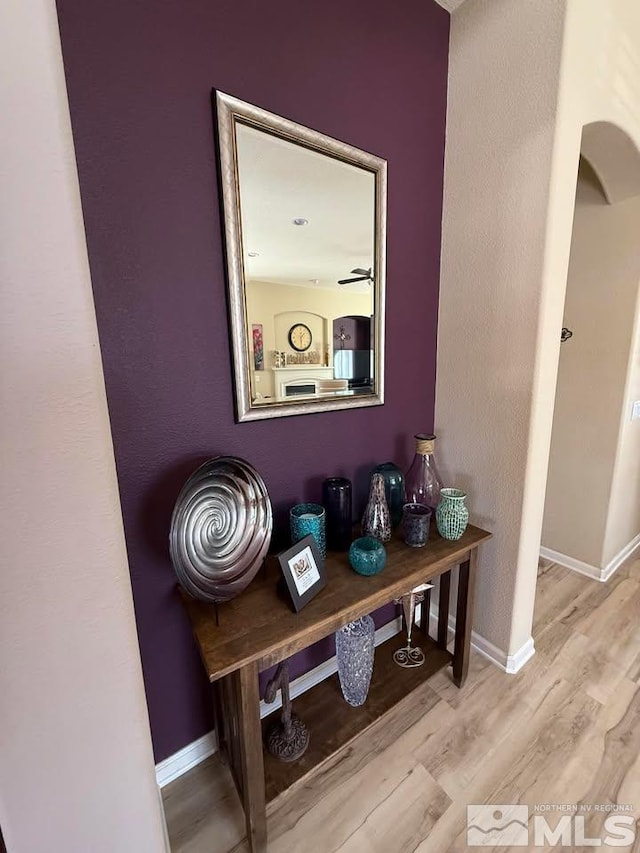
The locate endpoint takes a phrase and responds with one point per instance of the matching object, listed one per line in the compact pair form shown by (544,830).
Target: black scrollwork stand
(288,739)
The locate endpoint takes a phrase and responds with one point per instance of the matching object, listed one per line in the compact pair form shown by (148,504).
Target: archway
(545,371)
(614,158)
(592,507)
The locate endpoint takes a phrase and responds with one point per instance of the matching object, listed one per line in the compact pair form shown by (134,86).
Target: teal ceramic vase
(452,516)
(393,489)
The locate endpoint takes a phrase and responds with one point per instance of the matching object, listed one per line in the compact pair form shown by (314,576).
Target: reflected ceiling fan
(361,275)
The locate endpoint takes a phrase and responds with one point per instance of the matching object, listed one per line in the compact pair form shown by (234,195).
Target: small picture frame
(303,571)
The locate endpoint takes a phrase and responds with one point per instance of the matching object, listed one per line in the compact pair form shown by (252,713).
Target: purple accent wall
(139,79)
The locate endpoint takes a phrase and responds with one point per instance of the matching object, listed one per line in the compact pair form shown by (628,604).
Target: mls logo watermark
(511,826)
(498,826)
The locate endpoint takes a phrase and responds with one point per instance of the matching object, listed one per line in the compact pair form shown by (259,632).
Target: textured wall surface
(491,271)
(593,436)
(526,77)
(77,771)
(139,77)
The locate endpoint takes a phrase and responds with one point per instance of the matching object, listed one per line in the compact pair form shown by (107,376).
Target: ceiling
(281,181)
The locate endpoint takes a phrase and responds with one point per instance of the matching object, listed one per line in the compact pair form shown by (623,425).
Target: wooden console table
(259,629)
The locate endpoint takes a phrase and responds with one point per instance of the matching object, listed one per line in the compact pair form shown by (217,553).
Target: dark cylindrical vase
(336,497)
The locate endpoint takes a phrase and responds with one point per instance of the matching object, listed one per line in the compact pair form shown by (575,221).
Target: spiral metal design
(220,529)
(409,657)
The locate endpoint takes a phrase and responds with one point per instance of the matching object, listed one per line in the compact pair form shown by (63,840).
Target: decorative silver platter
(220,529)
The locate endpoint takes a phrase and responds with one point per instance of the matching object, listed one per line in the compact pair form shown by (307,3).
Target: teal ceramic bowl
(367,556)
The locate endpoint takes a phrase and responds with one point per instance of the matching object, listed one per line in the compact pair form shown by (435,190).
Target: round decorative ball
(367,556)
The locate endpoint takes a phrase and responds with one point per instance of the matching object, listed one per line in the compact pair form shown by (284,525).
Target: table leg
(217,703)
(443,609)
(425,609)
(251,759)
(464,618)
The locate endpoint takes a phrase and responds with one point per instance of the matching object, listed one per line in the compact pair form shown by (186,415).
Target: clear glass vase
(376,520)
(423,483)
(354,651)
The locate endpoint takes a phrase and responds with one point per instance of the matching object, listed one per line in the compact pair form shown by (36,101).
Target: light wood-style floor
(565,730)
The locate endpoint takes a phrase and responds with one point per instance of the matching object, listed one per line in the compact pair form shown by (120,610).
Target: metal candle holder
(287,739)
(409,656)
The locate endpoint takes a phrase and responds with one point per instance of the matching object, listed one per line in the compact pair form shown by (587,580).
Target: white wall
(623,521)
(76,767)
(521,88)
(503,78)
(591,422)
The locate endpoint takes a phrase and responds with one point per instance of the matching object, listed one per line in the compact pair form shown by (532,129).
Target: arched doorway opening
(592,504)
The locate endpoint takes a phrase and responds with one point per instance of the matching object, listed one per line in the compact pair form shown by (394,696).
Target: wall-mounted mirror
(305,221)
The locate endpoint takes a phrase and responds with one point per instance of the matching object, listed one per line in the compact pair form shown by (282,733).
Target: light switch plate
(635,412)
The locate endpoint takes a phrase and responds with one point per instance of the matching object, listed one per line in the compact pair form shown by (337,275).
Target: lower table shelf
(259,630)
(333,724)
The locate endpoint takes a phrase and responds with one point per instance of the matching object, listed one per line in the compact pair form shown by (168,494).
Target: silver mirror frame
(229,111)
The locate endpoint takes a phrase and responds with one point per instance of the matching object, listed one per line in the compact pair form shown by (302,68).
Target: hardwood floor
(565,730)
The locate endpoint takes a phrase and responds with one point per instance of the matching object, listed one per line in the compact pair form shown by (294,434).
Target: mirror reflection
(307,274)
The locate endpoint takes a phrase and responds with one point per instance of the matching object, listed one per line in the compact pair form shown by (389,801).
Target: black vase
(336,497)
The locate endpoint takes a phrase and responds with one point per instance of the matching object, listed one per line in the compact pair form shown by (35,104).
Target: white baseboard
(571,563)
(595,572)
(186,758)
(508,663)
(619,559)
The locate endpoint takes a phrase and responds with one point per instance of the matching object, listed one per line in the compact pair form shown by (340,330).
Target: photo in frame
(303,571)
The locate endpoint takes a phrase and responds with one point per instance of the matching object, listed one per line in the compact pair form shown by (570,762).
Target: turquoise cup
(305,519)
